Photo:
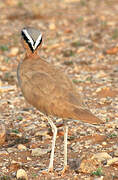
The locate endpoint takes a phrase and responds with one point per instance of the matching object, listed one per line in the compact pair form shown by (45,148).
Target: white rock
(14,51)
(52,26)
(116,153)
(41,133)
(87,178)
(88,165)
(28,128)
(21,173)
(11,2)
(101,156)
(11,150)
(99,178)
(22,147)
(112,161)
(39,152)
(29,159)
(104,143)
(3,153)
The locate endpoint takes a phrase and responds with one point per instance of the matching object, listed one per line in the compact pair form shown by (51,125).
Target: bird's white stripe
(37,41)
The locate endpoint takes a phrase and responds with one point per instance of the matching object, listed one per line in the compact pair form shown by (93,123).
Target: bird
(49,89)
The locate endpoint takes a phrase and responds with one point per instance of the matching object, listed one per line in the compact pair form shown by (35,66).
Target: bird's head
(31,39)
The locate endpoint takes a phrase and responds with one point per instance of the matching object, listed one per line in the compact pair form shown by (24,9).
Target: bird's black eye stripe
(27,41)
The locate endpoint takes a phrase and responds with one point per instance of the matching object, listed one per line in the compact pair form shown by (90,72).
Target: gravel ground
(79,36)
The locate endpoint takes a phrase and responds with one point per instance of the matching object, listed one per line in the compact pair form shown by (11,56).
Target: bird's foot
(46,171)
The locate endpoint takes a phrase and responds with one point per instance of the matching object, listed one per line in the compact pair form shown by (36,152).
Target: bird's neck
(32,55)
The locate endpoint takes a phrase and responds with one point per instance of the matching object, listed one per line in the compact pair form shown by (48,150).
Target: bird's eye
(29,41)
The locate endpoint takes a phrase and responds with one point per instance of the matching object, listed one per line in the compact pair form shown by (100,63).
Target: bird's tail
(86,116)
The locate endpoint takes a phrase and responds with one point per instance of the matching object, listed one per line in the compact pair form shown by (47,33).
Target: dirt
(79,36)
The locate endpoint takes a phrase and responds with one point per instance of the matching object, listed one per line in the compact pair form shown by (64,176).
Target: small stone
(99,178)
(52,26)
(70,1)
(116,153)
(6,88)
(14,166)
(14,51)
(21,173)
(115,147)
(87,178)
(11,3)
(80,50)
(22,147)
(113,161)
(102,156)
(29,128)
(88,165)
(39,152)
(2,134)
(1,83)
(11,150)
(104,143)
(3,153)
(98,89)
(41,133)
(1,58)
(4,68)
(29,159)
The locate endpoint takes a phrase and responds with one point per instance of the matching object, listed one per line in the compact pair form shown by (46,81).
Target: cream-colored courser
(49,89)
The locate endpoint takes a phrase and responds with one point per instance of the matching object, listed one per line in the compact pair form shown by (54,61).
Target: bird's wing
(40,82)
(57,88)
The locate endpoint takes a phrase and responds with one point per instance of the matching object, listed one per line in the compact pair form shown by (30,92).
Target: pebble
(3,153)
(101,156)
(22,147)
(88,165)
(115,147)
(14,165)
(6,88)
(14,51)
(104,143)
(4,68)
(99,178)
(21,173)
(11,150)
(19,135)
(29,159)
(28,128)
(2,134)
(70,1)
(11,2)
(39,152)
(41,133)
(116,153)
(80,50)
(112,161)
(1,83)
(52,26)
(87,178)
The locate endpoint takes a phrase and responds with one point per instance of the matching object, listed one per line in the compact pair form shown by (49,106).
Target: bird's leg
(65,148)
(54,130)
